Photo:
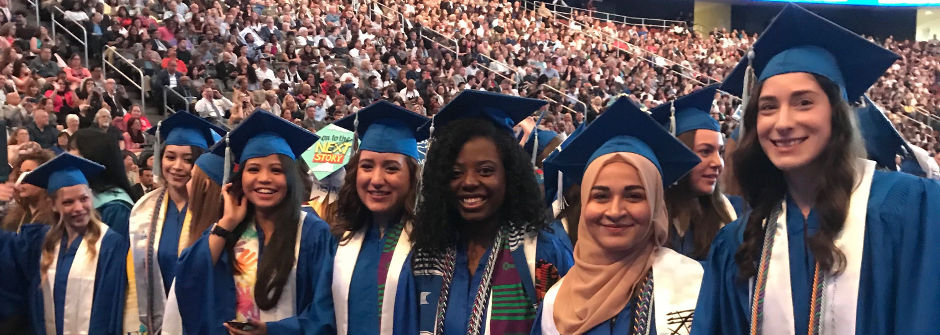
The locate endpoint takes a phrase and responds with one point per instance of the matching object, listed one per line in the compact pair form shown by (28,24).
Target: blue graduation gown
(20,256)
(206,293)
(898,287)
(621,324)
(117,215)
(551,248)
(169,243)
(363,304)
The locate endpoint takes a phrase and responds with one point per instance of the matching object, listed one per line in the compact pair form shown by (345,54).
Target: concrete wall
(710,15)
(928,23)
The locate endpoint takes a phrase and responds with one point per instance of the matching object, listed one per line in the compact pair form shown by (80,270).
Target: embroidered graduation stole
(389,242)
(511,312)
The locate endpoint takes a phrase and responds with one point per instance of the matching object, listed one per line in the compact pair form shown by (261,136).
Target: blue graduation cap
(503,110)
(882,141)
(63,171)
(386,127)
(625,128)
(213,165)
(187,129)
(552,169)
(262,134)
(538,139)
(689,112)
(799,41)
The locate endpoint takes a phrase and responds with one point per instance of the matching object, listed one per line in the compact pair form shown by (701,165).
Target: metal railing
(35,5)
(924,117)
(426,30)
(111,51)
(610,17)
(584,105)
(560,104)
(166,107)
(83,40)
(386,10)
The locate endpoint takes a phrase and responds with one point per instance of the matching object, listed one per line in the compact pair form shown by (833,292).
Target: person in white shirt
(264,72)
(213,105)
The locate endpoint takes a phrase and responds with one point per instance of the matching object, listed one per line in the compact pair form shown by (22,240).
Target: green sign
(330,153)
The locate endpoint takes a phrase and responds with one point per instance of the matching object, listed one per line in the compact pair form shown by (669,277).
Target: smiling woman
(815,236)
(480,233)
(68,273)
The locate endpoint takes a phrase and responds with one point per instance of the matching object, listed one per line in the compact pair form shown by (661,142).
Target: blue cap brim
(387,128)
(505,111)
(63,171)
(187,129)
(693,111)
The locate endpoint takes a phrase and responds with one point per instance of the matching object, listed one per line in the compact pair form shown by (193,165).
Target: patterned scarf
(389,242)
(511,310)
(246,261)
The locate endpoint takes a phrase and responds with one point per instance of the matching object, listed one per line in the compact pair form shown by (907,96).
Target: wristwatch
(221,232)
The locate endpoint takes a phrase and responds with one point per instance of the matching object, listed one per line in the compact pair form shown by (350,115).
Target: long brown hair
(349,214)
(763,185)
(54,236)
(21,212)
(572,211)
(274,265)
(708,210)
(205,204)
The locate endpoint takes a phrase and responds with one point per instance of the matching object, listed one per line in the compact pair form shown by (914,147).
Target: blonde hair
(54,236)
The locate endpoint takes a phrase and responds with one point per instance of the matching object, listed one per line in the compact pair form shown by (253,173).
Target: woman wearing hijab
(624,281)
(697,208)
(68,273)
(483,256)
(373,219)
(160,224)
(265,266)
(831,245)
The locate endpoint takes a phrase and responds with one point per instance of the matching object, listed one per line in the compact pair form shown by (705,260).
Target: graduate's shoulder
(113,239)
(315,230)
(730,237)
(898,188)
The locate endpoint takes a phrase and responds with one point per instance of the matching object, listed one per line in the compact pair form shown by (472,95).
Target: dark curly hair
(437,211)
(764,187)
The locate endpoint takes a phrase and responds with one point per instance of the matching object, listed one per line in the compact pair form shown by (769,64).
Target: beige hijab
(595,289)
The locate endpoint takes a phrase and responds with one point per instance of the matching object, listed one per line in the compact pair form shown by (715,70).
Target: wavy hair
(764,187)
(204,202)
(434,226)
(274,265)
(349,214)
(54,235)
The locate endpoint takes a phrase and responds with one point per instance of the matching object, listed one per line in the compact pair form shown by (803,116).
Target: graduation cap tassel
(672,118)
(749,80)
(560,192)
(355,143)
(227,170)
(157,155)
(430,136)
(535,145)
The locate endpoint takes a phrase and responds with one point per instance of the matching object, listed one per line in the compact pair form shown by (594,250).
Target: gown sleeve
(554,247)
(19,263)
(116,214)
(107,309)
(898,291)
(722,300)
(200,288)
(314,280)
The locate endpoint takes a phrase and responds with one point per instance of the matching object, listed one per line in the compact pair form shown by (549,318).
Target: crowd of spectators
(313,62)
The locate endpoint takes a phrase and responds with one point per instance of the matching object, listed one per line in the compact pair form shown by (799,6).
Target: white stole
(80,290)
(345,263)
(840,295)
(676,283)
(728,207)
(529,245)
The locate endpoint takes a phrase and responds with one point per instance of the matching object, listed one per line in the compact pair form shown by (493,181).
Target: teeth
(787,143)
(471,201)
(265,191)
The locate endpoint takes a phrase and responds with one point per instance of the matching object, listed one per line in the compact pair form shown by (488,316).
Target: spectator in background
(136,112)
(75,72)
(44,65)
(71,124)
(41,131)
(212,106)
(18,137)
(115,97)
(134,136)
(103,123)
(62,143)
(30,202)
(13,112)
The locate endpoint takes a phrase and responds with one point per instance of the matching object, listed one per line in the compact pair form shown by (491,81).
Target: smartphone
(241,325)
